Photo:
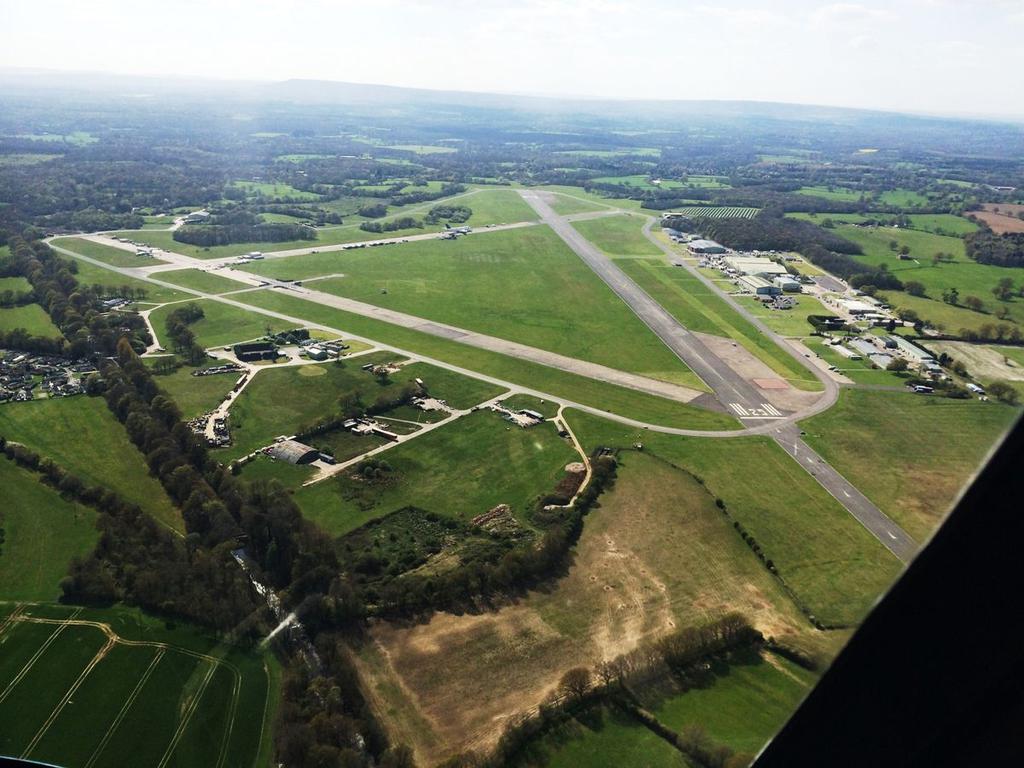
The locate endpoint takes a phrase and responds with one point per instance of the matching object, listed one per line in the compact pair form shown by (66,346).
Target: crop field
(605,737)
(655,555)
(41,533)
(523,285)
(459,470)
(195,395)
(115,282)
(744,704)
(88,687)
(717,212)
(198,280)
(597,394)
(699,309)
(913,471)
(31,317)
(221,324)
(59,428)
(497,206)
(617,235)
(108,254)
(827,558)
(1001,218)
(268,407)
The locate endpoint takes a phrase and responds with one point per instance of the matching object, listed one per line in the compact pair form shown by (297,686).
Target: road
(731,388)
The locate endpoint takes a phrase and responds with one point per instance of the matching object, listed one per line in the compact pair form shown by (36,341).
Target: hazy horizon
(910,56)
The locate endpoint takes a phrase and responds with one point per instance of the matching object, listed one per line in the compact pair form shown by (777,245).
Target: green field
(266,468)
(832,563)
(785,322)
(547,408)
(16,284)
(422,149)
(31,317)
(922,449)
(700,309)
(274,190)
(717,211)
(605,737)
(221,324)
(744,704)
(198,280)
(461,470)
(567,203)
(113,282)
(835,193)
(523,285)
(936,223)
(195,395)
(497,206)
(902,198)
(617,235)
(115,682)
(581,389)
(108,254)
(42,532)
(458,391)
(81,435)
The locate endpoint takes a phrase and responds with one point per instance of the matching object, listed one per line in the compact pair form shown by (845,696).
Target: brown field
(1006,220)
(657,554)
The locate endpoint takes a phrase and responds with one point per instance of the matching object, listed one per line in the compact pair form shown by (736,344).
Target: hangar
(293,452)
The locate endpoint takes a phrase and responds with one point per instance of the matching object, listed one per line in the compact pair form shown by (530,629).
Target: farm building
(759,286)
(787,284)
(293,452)
(755,265)
(706,246)
(255,350)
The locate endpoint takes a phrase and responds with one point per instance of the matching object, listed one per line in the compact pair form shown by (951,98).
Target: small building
(787,284)
(293,452)
(316,353)
(706,246)
(759,286)
(532,414)
(254,255)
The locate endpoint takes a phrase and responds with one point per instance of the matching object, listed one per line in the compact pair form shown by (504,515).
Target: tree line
(241,226)
(182,337)
(986,247)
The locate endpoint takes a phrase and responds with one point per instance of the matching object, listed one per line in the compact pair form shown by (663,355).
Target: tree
(893,245)
(897,365)
(951,296)
(1004,392)
(904,250)
(914,288)
(575,683)
(974,303)
(1004,289)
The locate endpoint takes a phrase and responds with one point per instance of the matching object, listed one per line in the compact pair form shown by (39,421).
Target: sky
(958,57)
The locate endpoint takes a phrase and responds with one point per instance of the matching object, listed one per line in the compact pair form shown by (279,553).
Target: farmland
(41,533)
(558,303)
(912,475)
(91,686)
(617,235)
(55,427)
(716,212)
(632,579)
(460,470)
(1001,218)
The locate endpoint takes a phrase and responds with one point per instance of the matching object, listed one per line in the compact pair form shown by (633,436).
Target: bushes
(208,235)
(402,222)
(184,340)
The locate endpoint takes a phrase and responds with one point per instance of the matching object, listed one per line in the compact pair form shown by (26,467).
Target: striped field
(717,212)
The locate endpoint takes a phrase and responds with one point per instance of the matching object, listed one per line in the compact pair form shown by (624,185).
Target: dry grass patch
(656,555)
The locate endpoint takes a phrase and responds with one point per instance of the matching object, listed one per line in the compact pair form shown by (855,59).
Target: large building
(787,284)
(755,265)
(759,286)
(293,452)
(706,246)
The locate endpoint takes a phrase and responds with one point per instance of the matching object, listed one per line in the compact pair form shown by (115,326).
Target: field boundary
(39,651)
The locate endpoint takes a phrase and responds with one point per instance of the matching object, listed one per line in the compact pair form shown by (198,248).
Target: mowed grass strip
(699,309)
(108,254)
(496,206)
(221,324)
(198,280)
(830,561)
(32,318)
(596,394)
(42,533)
(81,435)
(619,235)
(908,453)
(523,285)
(459,470)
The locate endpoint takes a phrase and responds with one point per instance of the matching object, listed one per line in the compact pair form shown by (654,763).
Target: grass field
(522,285)
(497,206)
(31,317)
(16,284)
(596,394)
(605,737)
(860,371)
(42,532)
(90,274)
(922,449)
(699,309)
(743,705)
(785,322)
(902,198)
(655,555)
(198,280)
(833,565)
(617,235)
(840,194)
(455,389)
(269,407)
(276,190)
(81,435)
(195,395)
(90,686)
(115,257)
(566,204)
(545,407)
(221,324)
(266,468)
(937,223)
(460,470)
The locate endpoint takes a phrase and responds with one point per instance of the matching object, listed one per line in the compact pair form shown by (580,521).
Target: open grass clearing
(195,395)
(497,206)
(458,391)
(656,555)
(604,737)
(840,194)
(834,565)
(32,318)
(597,394)
(16,284)
(108,254)
(617,235)
(898,449)
(81,435)
(547,408)
(460,470)
(42,532)
(274,190)
(198,280)
(522,285)
(221,324)
(115,283)
(785,322)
